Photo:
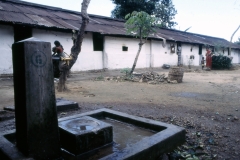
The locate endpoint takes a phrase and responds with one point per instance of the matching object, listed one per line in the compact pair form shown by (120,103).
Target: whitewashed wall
(148,54)
(153,54)
(87,59)
(115,58)
(187,52)
(236,56)
(162,55)
(6,41)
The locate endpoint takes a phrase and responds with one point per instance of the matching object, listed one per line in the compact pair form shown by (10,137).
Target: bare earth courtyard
(206,104)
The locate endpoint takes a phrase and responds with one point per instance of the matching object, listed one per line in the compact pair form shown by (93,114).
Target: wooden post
(37,133)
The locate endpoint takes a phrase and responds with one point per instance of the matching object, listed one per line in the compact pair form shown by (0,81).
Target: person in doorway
(209,59)
(202,62)
(58,49)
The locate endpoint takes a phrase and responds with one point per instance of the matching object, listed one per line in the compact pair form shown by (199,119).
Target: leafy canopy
(165,12)
(140,24)
(123,7)
(162,9)
(238,42)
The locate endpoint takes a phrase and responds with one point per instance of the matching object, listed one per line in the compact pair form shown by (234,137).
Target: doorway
(22,32)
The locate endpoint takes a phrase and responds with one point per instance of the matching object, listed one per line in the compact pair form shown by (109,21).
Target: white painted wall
(187,52)
(115,58)
(162,55)
(153,54)
(148,55)
(236,56)
(87,59)
(6,41)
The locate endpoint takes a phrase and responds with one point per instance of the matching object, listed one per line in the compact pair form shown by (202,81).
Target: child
(202,62)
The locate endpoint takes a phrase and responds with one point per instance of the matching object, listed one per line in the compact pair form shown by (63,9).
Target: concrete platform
(61,103)
(166,138)
(5,115)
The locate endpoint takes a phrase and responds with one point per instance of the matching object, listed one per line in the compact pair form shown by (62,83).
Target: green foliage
(126,71)
(238,42)
(128,6)
(162,9)
(100,78)
(219,48)
(140,24)
(165,12)
(221,62)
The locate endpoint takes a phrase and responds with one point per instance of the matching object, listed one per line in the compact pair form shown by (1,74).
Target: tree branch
(76,49)
(234,33)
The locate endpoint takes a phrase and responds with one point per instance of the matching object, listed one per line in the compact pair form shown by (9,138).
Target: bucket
(176,73)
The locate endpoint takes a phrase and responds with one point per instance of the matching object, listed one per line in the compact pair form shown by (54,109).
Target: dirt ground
(206,103)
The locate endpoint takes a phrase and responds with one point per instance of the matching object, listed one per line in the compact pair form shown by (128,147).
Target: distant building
(106,44)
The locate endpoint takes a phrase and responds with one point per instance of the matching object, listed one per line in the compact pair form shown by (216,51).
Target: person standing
(58,49)
(202,62)
(209,58)
(56,56)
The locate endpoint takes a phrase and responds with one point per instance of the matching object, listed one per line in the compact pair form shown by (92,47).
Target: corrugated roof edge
(191,33)
(93,15)
(103,17)
(58,9)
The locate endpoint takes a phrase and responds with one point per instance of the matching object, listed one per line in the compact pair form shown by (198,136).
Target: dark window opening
(124,48)
(213,50)
(172,46)
(229,51)
(97,42)
(21,33)
(200,50)
(179,47)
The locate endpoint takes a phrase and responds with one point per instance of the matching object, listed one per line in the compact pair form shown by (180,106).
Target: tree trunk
(139,50)
(179,53)
(136,58)
(234,33)
(179,58)
(76,48)
(230,50)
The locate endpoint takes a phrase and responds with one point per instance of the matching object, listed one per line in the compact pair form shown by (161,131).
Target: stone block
(84,134)
(61,104)
(64,104)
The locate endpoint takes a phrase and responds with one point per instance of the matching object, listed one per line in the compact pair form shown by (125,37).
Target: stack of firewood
(149,77)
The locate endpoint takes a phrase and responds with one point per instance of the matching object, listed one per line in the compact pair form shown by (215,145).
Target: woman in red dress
(209,59)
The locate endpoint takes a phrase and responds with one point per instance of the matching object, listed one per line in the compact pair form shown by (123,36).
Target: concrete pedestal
(35,108)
